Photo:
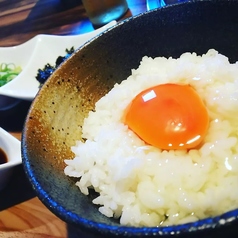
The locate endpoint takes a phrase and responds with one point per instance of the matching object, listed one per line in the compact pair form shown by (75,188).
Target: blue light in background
(152,4)
(85,26)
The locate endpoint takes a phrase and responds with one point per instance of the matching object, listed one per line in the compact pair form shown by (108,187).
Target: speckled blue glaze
(192,26)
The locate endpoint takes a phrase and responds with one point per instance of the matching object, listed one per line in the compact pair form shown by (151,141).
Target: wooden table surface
(21,212)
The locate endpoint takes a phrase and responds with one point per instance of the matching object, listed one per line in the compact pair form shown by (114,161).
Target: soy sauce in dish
(3,156)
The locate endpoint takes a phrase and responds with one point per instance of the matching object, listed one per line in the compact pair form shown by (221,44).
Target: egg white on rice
(145,186)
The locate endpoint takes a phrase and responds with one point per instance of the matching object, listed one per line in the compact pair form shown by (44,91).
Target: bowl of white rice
(107,175)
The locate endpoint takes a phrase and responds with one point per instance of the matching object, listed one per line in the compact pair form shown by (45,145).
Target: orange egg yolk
(168,116)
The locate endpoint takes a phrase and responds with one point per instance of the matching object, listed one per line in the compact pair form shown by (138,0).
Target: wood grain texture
(22,20)
(30,219)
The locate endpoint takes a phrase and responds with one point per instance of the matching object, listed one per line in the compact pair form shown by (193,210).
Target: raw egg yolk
(168,116)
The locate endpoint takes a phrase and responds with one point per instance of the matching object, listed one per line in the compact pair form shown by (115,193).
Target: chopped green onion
(8,72)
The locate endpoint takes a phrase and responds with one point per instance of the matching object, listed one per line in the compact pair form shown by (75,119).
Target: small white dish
(12,148)
(35,54)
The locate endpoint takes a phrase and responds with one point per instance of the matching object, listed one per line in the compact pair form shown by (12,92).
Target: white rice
(145,186)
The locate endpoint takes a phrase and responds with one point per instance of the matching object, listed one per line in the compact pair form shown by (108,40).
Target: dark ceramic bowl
(53,122)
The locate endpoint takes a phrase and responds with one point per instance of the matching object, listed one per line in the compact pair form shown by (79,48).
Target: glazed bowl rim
(222,220)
